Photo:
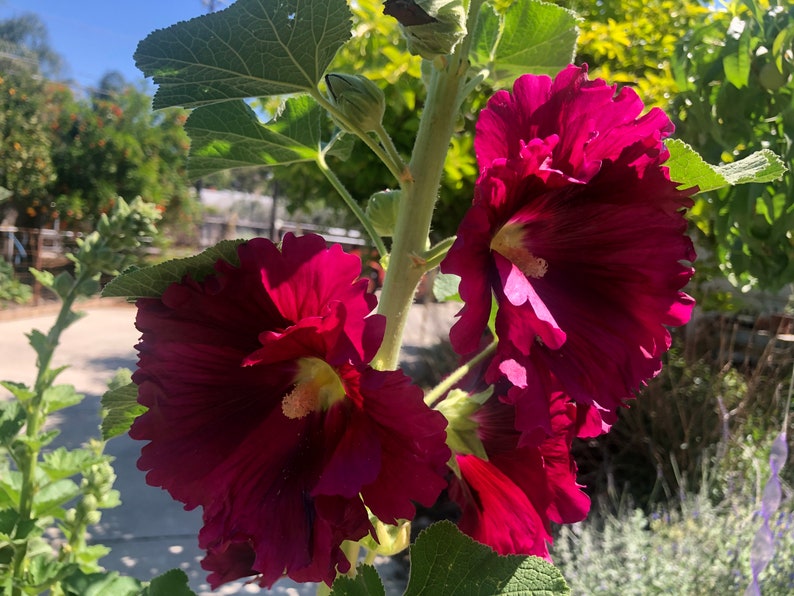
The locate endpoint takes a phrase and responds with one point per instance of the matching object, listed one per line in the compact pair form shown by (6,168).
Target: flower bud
(358,98)
(382,209)
(431,27)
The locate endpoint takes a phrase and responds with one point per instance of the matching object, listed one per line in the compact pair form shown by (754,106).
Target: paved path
(149,533)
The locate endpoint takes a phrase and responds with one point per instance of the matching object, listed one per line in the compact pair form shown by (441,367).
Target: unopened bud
(358,98)
(382,209)
(431,27)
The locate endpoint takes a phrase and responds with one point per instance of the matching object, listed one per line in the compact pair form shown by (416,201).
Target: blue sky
(96,36)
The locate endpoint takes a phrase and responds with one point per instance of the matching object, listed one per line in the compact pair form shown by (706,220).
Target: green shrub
(11,289)
(698,546)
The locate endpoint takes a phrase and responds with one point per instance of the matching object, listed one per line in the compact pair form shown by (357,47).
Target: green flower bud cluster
(382,209)
(117,240)
(431,28)
(359,99)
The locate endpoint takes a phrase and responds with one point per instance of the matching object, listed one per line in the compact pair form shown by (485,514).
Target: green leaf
(689,169)
(445,561)
(485,37)
(737,66)
(761,166)
(100,584)
(10,487)
(19,390)
(62,463)
(151,282)
(254,48)
(59,397)
(44,570)
(230,135)
(170,583)
(537,38)
(445,287)
(53,495)
(39,342)
(366,583)
(12,419)
(120,408)
(45,278)
(63,283)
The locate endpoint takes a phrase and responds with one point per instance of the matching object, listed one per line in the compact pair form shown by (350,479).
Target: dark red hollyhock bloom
(579,234)
(263,411)
(509,501)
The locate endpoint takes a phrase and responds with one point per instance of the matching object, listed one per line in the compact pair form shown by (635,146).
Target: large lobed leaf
(230,135)
(530,37)
(688,169)
(151,282)
(254,48)
(445,561)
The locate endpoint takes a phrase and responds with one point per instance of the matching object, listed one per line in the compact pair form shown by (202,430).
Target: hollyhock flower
(578,233)
(509,500)
(263,411)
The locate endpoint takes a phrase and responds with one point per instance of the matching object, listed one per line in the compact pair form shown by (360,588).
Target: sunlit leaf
(445,561)
(254,48)
(120,408)
(230,135)
(536,37)
(688,169)
(151,282)
(366,583)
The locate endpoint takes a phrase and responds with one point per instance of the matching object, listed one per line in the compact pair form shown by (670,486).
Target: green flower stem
(391,150)
(34,421)
(436,254)
(444,386)
(351,203)
(419,194)
(391,160)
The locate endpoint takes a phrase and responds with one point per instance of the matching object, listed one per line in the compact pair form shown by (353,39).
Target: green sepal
(458,408)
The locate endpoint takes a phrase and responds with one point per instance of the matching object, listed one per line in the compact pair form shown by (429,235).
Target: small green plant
(697,546)
(11,289)
(42,489)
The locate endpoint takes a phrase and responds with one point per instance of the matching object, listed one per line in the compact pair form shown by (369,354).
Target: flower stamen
(317,387)
(509,242)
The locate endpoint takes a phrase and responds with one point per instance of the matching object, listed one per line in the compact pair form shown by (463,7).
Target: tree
(26,46)
(26,168)
(110,147)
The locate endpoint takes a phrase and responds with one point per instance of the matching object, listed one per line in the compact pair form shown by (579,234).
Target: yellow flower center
(509,242)
(317,387)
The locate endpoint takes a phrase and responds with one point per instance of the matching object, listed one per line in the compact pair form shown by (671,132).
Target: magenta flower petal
(578,233)
(509,501)
(263,411)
